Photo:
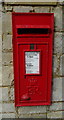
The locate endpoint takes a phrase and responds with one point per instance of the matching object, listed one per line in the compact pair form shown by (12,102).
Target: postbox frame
(16,67)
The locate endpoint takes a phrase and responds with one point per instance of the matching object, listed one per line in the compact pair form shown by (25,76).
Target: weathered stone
(63,91)
(7,42)
(0,23)
(0,75)
(55,106)
(7,75)
(58,43)
(8,115)
(5,94)
(0,60)
(7,23)
(62,114)
(33,115)
(8,107)
(11,93)
(0,116)
(55,64)
(57,114)
(0,19)
(0,50)
(32,1)
(62,65)
(0,94)
(63,42)
(57,89)
(41,9)
(7,58)
(58,17)
(0,107)
(32,110)
(22,8)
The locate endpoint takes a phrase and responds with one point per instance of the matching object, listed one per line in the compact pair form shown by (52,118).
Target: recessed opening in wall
(32,31)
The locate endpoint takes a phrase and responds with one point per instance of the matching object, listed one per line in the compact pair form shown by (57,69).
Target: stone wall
(6,70)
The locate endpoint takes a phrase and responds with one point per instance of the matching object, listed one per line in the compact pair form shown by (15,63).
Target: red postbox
(32,53)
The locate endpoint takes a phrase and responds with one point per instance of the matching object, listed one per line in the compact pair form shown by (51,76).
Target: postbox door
(33,62)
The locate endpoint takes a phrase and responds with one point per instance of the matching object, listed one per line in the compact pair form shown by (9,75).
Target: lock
(32,56)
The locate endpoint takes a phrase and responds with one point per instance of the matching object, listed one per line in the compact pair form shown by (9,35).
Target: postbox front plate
(32,58)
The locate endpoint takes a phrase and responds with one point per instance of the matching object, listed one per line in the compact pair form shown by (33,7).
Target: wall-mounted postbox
(32,53)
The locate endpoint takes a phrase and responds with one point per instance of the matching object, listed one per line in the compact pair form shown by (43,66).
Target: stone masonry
(7,106)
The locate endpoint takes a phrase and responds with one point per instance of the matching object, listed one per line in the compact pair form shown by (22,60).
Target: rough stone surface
(0,116)
(0,50)
(22,9)
(63,91)
(58,17)
(11,93)
(32,109)
(26,1)
(7,58)
(0,107)
(33,116)
(7,75)
(63,40)
(8,107)
(62,65)
(5,94)
(0,94)
(55,106)
(0,75)
(8,115)
(55,64)
(7,42)
(55,115)
(41,9)
(7,23)
(57,89)
(58,43)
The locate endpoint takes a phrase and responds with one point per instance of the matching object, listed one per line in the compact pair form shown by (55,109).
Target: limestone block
(62,65)
(57,89)
(63,42)
(41,9)
(8,107)
(22,8)
(58,43)
(0,116)
(7,23)
(0,50)
(7,42)
(8,115)
(26,1)
(32,110)
(57,114)
(11,96)
(58,17)
(7,58)
(55,64)
(0,94)
(0,75)
(0,107)
(33,115)
(55,106)
(5,94)
(7,75)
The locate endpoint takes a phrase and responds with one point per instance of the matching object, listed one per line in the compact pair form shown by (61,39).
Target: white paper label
(32,62)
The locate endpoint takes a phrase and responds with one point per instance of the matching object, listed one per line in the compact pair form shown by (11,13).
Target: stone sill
(31,2)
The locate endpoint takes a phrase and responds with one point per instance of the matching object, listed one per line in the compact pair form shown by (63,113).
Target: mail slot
(32,56)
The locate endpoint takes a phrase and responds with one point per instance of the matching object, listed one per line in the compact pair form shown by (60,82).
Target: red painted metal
(33,88)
